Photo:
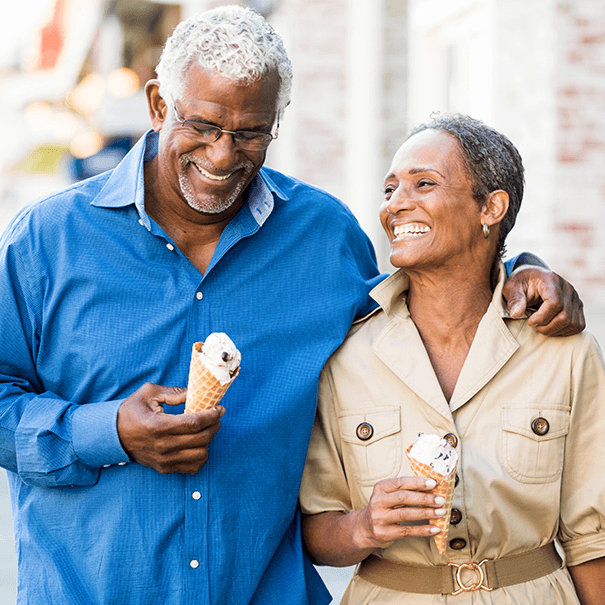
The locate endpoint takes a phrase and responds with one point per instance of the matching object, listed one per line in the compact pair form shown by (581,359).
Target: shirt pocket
(372,444)
(529,457)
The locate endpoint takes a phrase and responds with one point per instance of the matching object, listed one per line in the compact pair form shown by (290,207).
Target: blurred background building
(71,90)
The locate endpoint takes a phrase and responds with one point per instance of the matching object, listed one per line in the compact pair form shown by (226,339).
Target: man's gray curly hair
(233,41)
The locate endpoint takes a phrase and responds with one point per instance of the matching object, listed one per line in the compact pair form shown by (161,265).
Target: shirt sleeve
(324,484)
(46,440)
(525,258)
(582,516)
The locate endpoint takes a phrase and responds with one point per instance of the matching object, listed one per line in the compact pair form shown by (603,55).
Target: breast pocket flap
(520,421)
(362,427)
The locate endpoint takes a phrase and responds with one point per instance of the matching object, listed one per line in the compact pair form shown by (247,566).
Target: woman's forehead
(428,148)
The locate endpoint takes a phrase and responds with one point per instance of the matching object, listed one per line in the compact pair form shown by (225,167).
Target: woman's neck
(446,308)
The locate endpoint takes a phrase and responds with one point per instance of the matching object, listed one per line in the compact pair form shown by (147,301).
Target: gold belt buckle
(475,586)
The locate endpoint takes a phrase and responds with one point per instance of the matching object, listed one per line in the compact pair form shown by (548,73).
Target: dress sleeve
(582,516)
(46,440)
(324,485)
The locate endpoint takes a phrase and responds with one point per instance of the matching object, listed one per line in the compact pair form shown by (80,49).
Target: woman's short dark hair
(491,160)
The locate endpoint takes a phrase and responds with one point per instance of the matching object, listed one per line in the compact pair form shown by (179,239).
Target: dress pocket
(533,441)
(372,446)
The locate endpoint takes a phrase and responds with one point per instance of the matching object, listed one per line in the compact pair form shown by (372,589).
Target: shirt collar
(389,294)
(121,189)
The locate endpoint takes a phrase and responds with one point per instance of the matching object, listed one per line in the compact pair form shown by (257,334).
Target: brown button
(540,426)
(365,431)
(456,516)
(456,480)
(457,544)
(451,439)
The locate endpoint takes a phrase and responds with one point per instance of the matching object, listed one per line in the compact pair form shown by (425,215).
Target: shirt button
(456,516)
(456,480)
(170,247)
(194,564)
(141,221)
(457,544)
(365,431)
(451,439)
(199,295)
(196,495)
(540,426)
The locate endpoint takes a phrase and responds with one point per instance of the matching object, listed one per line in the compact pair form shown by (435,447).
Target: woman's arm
(589,580)
(341,539)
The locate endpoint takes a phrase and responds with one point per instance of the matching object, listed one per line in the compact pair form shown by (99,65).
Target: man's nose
(223,152)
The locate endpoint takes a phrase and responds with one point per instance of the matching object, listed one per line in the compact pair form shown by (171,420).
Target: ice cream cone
(204,391)
(445,488)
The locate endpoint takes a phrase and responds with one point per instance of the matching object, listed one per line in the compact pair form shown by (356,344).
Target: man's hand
(559,308)
(166,442)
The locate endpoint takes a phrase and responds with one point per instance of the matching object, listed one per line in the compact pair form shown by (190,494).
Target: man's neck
(194,233)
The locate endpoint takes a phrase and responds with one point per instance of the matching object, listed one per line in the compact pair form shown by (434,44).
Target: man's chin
(211,206)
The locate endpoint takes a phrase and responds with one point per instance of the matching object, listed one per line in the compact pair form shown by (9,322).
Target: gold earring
(485,230)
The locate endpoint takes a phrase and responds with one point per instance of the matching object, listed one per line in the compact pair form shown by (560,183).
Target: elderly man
(118,497)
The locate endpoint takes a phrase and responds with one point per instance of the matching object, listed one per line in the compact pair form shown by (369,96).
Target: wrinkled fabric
(517,490)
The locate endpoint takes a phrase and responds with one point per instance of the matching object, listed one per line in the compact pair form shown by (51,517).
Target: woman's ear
(155,104)
(495,207)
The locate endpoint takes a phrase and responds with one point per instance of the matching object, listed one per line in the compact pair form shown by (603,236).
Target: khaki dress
(517,490)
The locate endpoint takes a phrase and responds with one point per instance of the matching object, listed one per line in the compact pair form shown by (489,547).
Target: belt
(448,579)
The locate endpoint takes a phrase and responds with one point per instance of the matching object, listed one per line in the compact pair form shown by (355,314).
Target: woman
(525,413)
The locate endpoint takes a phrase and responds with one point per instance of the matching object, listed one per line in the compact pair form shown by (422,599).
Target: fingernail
(439,512)
(435,530)
(439,500)
(431,483)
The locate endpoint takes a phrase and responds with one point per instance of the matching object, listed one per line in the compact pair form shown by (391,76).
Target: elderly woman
(442,356)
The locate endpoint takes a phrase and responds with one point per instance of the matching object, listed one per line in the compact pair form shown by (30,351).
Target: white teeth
(410,230)
(213,177)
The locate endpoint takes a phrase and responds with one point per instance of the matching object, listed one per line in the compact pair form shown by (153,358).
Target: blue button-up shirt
(95,300)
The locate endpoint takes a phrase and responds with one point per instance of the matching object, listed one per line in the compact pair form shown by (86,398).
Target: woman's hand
(397,501)
(341,539)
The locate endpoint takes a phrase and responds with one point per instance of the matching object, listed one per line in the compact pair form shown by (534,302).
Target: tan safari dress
(517,490)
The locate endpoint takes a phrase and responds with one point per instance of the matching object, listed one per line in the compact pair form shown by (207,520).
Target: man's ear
(495,207)
(155,104)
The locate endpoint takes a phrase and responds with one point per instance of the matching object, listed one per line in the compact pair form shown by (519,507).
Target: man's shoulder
(53,209)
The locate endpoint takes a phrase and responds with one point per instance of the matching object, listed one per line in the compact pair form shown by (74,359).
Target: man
(103,289)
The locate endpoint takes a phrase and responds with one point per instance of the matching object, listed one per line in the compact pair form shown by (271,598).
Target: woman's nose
(400,200)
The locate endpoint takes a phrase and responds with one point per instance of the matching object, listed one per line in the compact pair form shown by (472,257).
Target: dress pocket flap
(540,423)
(367,427)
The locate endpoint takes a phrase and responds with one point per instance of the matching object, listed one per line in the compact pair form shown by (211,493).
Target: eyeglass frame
(235,134)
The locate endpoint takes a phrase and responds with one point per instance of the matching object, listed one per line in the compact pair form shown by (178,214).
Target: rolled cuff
(586,548)
(95,434)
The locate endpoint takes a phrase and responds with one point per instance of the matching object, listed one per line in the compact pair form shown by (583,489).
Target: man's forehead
(211,90)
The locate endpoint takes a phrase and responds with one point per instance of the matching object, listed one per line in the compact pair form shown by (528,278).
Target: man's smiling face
(211,177)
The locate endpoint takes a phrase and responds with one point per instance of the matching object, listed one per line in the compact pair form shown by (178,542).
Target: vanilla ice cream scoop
(220,356)
(435,452)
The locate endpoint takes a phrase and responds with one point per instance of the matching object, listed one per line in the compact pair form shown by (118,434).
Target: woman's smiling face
(429,213)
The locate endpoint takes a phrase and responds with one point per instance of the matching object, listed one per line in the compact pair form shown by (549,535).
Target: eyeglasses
(244,139)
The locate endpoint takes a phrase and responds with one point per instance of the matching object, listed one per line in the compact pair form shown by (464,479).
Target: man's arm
(50,441)
(554,306)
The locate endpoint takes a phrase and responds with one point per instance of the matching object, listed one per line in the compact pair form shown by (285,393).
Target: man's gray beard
(212,204)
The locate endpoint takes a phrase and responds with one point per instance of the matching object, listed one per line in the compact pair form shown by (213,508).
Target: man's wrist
(95,434)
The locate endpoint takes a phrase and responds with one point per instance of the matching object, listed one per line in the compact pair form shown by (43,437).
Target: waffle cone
(445,488)
(204,391)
